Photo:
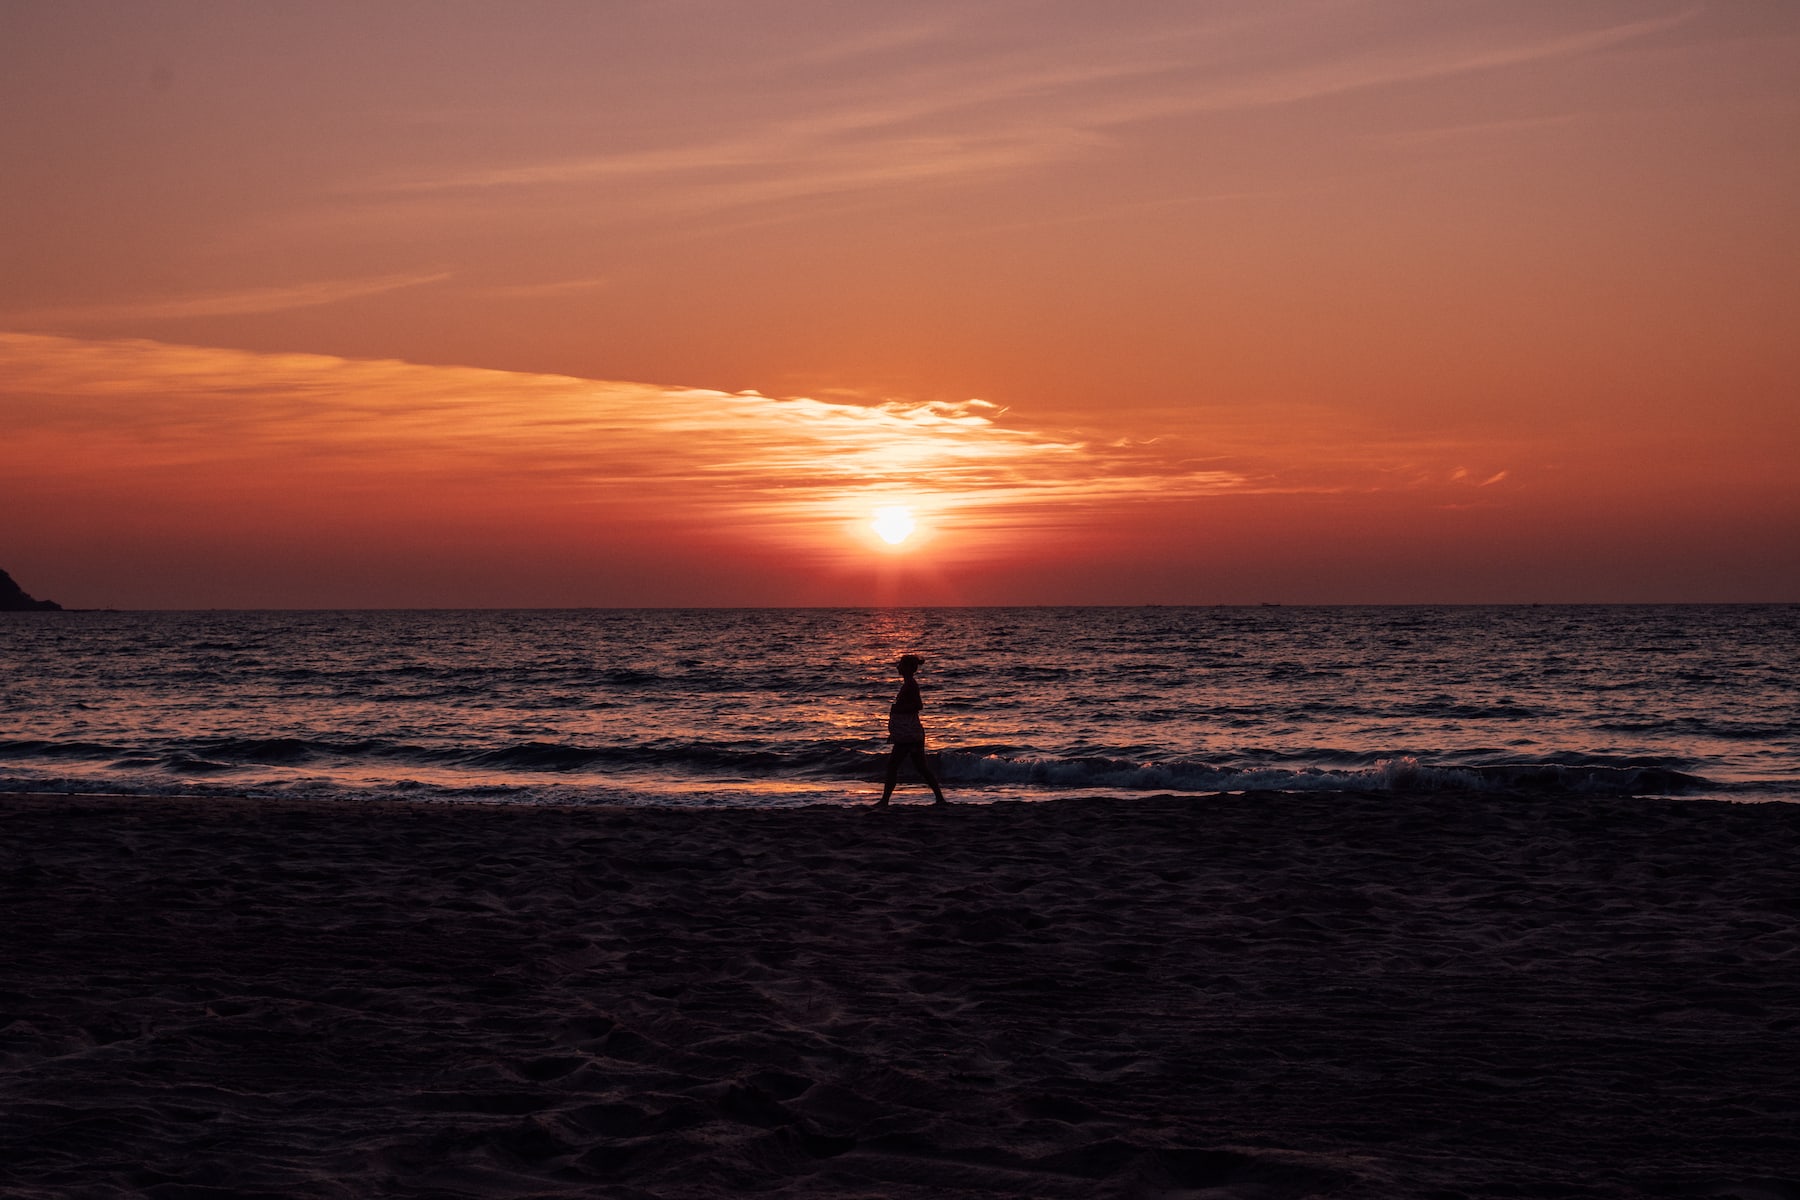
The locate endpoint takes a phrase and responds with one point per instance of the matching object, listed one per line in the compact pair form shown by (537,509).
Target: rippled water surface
(788,706)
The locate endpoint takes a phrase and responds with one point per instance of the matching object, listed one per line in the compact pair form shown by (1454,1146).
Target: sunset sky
(614,303)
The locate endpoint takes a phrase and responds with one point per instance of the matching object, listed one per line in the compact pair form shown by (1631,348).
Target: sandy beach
(1251,995)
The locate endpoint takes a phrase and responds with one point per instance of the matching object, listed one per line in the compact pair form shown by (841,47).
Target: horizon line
(932,607)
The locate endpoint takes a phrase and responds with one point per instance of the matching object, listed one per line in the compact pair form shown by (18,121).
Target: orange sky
(579,304)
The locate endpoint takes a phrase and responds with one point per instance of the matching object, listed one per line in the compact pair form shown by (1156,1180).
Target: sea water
(783,707)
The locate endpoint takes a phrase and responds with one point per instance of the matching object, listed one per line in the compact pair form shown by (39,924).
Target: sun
(893,523)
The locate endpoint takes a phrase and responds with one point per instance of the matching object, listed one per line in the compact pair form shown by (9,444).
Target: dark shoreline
(1349,994)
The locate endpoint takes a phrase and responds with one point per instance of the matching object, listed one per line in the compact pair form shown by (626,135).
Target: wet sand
(1256,996)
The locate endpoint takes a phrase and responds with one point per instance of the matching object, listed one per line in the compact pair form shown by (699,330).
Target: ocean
(712,707)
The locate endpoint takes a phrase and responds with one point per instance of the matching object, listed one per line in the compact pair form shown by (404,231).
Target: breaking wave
(372,762)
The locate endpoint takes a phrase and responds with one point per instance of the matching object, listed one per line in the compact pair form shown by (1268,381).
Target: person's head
(908,664)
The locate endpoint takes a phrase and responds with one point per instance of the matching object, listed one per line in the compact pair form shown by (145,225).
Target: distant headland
(13,598)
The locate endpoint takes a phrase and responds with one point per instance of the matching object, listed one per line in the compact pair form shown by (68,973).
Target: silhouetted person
(907,732)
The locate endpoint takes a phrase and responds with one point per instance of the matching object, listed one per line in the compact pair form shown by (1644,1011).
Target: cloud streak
(785,469)
(241,302)
(794,471)
(1006,110)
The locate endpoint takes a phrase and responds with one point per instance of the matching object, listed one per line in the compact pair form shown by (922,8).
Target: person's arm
(909,700)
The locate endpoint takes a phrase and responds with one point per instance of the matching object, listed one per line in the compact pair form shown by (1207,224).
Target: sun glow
(893,523)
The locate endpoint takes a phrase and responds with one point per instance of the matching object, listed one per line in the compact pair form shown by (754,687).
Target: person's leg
(918,757)
(893,773)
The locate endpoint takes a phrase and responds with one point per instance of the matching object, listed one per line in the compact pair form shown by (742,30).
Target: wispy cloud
(241,302)
(782,469)
(1011,107)
(1434,58)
